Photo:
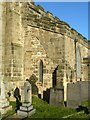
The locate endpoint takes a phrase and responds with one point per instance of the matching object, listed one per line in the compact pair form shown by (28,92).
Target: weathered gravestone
(73,95)
(46,95)
(77,93)
(89,95)
(57,96)
(84,90)
(27,108)
(4,104)
(0,115)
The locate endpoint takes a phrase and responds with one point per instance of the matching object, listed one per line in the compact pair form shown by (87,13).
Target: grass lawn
(44,110)
(81,116)
(85,103)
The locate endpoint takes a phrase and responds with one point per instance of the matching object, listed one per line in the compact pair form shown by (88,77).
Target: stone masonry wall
(70,60)
(2,38)
(31,35)
(58,44)
(42,45)
(13,70)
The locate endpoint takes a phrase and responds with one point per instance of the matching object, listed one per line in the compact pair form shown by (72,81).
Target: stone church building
(33,41)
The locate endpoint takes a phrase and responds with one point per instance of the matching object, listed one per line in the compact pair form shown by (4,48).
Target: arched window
(78,64)
(54,77)
(41,71)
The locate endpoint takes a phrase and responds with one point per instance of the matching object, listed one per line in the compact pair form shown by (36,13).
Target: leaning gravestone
(27,108)
(4,104)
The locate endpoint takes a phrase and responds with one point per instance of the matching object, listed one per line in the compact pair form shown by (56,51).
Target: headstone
(57,96)
(27,92)
(46,95)
(0,115)
(27,108)
(73,95)
(16,92)
(84,90)
(89,95)
(4,104)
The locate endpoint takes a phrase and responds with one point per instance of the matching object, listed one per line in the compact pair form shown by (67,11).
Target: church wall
(70,61)
(84,53)
(42,45)
(13,63)
(2,38)
(70,55)
(31,35)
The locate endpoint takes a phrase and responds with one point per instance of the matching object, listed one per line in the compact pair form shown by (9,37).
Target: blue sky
(74,13)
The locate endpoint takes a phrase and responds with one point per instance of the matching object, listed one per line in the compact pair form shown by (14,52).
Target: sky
(74,13)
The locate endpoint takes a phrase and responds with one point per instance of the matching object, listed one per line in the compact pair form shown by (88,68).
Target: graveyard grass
(80,116)
(85,103)
(44,110)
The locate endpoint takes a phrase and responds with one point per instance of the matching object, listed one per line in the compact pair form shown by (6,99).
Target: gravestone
(57,96)
(27,108)
(84,90)
(27,92)
(73,95)
(46,95)
(4,104)
(0,115)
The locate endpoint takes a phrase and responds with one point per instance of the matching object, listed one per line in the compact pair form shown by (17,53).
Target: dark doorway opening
(54,77)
